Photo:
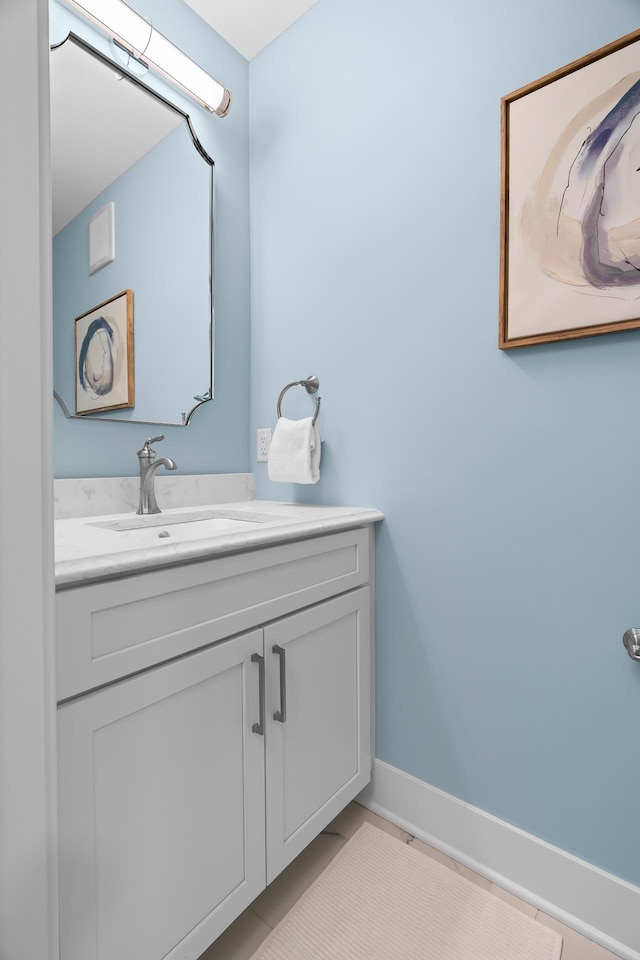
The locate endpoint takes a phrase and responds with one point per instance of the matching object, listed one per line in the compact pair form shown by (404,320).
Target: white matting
(381,899)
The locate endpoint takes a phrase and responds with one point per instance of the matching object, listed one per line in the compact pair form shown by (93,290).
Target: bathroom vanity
(214,713)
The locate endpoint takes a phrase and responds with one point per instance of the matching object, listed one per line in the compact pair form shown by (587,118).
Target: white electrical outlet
(263,442)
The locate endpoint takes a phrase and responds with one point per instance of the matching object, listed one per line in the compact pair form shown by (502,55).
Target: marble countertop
(91,548)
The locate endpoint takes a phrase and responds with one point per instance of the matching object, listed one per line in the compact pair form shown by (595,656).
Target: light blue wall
(508,563)
(216,439)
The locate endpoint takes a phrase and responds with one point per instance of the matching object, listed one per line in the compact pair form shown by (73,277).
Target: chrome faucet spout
(148,467)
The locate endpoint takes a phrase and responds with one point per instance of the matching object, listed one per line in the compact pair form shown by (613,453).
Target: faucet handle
(146,450)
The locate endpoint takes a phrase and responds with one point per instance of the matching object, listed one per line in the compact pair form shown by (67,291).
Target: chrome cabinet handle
(259,727)
(631,640)
(281,714)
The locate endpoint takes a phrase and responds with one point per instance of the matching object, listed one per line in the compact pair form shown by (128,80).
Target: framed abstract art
(570,201)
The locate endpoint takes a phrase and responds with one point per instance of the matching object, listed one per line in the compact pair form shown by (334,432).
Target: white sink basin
(192,525)
(192,530)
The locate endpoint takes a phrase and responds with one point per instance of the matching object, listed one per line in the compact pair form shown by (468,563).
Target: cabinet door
(161,807)
(318,720)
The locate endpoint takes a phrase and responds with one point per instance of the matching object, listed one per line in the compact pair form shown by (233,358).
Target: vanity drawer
(109,630)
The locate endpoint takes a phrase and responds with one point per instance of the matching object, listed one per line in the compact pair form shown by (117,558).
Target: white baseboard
(591,901)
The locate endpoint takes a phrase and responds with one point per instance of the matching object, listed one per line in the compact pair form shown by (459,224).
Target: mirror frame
(149,91)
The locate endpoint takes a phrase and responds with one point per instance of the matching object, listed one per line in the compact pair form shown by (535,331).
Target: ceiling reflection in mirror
(115,142)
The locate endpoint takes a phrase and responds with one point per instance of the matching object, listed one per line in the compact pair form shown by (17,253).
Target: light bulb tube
(132,32)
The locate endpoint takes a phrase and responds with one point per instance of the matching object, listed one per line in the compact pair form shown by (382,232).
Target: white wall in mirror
(132,122)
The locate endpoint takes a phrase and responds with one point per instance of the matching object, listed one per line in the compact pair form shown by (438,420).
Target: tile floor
(244,936)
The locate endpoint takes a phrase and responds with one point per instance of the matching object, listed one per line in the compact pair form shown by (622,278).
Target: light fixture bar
(132,32)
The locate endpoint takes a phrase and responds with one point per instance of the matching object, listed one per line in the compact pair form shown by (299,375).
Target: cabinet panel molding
(112,629)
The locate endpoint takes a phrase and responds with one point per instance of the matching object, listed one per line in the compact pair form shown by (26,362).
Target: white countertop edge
(290,523)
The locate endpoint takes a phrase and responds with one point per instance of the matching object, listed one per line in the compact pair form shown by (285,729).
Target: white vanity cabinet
(188,785)
(161,807)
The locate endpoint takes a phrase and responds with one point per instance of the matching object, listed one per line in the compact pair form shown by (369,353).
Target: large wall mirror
(132,246)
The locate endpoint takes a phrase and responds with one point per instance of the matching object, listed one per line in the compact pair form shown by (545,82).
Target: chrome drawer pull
(259,727)
(281,714)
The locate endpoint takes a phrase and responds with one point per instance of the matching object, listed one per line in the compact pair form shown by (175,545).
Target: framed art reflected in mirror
(104,356)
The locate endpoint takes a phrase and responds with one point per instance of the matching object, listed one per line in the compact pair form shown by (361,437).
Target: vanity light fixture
(132,32)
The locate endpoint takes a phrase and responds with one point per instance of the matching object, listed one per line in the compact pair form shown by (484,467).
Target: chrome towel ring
(311,385)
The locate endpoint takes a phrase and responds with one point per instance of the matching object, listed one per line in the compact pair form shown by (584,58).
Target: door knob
(631,640)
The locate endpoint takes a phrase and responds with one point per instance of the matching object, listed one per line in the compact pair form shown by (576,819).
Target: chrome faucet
(148,467)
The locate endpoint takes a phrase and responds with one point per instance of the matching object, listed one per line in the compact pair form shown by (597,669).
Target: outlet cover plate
(263,442)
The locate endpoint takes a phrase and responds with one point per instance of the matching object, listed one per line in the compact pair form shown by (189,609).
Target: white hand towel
(294,455)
